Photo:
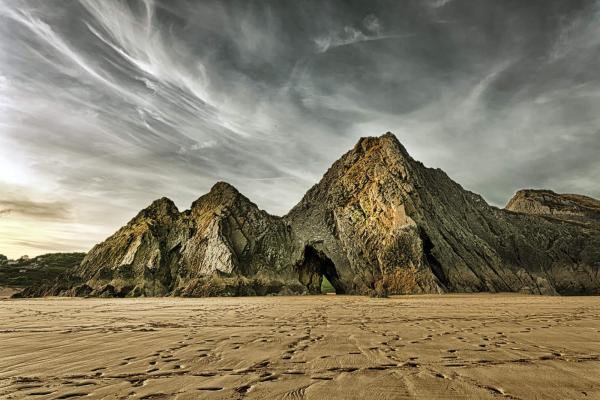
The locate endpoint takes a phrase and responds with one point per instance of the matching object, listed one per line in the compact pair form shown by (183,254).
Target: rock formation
(378,221)
(162,251)
(568,207)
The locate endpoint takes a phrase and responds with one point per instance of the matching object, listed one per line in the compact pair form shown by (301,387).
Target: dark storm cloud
(106,105)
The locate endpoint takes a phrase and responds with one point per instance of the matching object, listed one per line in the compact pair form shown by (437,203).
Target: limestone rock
(162,251)
(357,218)
(377,209)
(377,222)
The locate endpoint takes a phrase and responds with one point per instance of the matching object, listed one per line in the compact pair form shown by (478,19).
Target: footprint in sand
(72,395)
(210,388)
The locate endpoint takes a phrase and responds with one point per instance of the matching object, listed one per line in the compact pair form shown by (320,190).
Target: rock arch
(313,267)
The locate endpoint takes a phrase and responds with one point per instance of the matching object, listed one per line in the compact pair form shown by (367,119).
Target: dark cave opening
(314,268)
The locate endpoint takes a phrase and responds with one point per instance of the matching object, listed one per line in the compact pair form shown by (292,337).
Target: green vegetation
(326,286)
(34,271)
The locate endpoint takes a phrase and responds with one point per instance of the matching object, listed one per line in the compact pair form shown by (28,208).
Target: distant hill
(567,207)
(35,271)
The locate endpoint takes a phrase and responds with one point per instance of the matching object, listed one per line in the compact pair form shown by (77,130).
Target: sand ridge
(310,347)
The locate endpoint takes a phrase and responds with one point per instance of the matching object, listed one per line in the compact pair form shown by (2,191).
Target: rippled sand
(320,347)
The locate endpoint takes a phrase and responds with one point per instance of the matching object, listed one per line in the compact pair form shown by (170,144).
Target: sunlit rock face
(377,209)
(376,214)
(162,251)
(357,216)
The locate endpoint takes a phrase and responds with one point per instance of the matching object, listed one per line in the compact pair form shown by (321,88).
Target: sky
(107,105)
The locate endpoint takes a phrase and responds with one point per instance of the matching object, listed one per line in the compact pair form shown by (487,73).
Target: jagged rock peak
(163,208)
(371,160)
(222,195)
(387,141)
(224,187)
(163,203)
(373,156)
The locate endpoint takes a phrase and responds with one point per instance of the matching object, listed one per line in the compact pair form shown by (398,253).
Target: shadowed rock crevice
(434,264)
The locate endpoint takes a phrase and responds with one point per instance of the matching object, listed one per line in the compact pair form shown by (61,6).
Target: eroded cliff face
(377,210)
(359,217)
(164,252)
(481,248)
(377,221)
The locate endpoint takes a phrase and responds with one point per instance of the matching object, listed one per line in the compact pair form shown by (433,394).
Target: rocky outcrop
(377,222)
(357,217)
(377,210)
(567,207)
(202,251)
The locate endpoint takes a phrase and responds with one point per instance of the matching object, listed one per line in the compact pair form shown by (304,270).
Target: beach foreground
(313,347)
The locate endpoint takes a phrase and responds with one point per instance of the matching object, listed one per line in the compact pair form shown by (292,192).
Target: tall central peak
(373,158)
(374,165)
(387,141)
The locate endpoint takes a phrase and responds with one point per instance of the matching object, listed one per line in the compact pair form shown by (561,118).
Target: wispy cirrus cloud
(369,30)
(437,3)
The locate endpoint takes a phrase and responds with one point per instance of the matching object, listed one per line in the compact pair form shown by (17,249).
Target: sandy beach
(313,347)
